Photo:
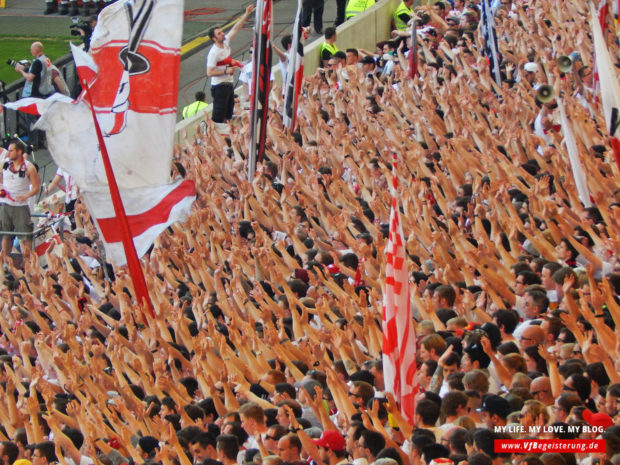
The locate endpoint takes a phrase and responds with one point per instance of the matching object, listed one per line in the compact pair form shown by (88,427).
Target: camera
(13,63)
(80,24)
(82,27)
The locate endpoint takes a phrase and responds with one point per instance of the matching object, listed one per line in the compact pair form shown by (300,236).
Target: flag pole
(413,51)
(133,262)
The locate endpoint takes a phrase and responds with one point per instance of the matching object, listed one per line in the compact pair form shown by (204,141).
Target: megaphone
(545,93)
(565,64)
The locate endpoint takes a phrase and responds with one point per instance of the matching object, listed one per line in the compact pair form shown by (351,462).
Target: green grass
(18,48)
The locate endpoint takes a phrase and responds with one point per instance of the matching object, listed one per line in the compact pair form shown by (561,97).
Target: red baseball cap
(330,439)
(597,419)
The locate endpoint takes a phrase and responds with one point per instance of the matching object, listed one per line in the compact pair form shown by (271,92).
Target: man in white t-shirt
(221,67)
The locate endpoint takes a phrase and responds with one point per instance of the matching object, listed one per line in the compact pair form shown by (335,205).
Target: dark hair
(211,32)
(435,451)
(529,277)
(204,439)
(200,95)
(596,372)
(428,410)
(75,435)
(447,292)
(373,441)
(330,32)
(19,145)
(48,450)
(194,412)
(390,453)
(287,388)
(479,458)
(229,445)
(11,450)
(509,319)
(286,41)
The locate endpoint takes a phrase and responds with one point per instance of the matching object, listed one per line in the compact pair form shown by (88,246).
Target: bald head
(533,335)
(541,390)
(36,49)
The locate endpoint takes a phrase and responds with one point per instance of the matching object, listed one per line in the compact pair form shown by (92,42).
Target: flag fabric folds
(579,175)
(295,73)
(261,84)
(36,106)
(490,41)
(399,341)
(608,84)
(132,74)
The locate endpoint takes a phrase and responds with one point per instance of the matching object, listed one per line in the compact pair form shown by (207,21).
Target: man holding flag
(221,68)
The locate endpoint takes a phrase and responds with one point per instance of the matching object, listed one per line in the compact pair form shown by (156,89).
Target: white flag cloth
(399,341)
(133,73)
(608,78)
(35,105)
(573,155)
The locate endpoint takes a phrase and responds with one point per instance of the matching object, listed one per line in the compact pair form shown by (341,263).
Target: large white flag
(132,73)
(608,83)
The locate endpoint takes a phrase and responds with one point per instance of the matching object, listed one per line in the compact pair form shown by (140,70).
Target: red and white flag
(132,73)
(608,83)
(399,341)
(37,106)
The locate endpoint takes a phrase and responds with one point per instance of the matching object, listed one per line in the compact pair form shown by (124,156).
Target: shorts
(15,219)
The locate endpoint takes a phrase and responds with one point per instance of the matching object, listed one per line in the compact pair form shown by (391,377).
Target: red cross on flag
(399,350)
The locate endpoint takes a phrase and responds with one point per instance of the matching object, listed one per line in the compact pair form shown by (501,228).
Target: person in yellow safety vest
(328,47)
(196,106)
(355,7)
(402,15)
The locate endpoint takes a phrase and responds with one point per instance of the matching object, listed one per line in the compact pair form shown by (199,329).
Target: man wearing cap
(331,446)
(329,449)
(368,65)
(530,74)
(495,411)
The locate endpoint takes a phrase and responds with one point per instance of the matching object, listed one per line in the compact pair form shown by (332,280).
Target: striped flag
(399,341)
(490,41)
(261,84)
(295,73)
(608,83)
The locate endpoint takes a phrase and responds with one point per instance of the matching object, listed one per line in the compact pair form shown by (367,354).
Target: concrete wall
(363,31)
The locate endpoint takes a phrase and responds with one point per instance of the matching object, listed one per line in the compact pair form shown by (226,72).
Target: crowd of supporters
(266,342)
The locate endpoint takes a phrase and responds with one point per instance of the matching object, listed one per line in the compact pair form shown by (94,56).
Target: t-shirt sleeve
(36,67)
(211,59)
(326,54)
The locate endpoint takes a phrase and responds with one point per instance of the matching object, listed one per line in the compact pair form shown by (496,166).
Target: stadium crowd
(265,346)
